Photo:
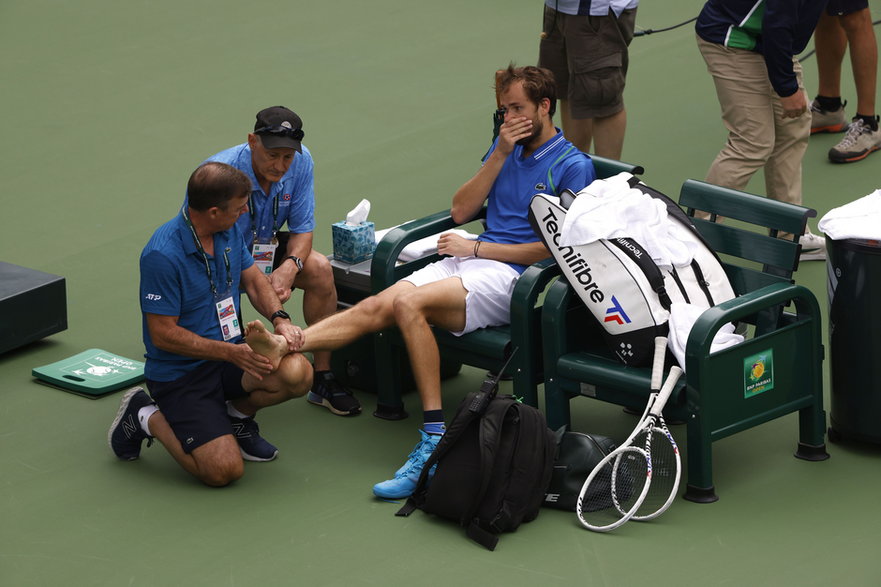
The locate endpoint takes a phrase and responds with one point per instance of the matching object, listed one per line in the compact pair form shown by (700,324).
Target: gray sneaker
(827,120)
(857,144)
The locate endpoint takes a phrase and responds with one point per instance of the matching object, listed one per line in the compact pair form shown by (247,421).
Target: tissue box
(353,244)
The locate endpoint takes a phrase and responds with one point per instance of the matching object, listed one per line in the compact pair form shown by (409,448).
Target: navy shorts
(842,7)
(195,404)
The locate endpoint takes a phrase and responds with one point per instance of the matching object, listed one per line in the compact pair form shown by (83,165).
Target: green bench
(713,398)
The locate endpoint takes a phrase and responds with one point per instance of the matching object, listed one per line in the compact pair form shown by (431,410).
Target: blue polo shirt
(295,193)
(507,213)
(174,282)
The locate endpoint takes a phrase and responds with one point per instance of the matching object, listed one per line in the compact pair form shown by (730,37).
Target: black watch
(280,314)
(296,261)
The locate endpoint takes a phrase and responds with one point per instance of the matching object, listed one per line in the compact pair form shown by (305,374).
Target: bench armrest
(708,324)
(385,269)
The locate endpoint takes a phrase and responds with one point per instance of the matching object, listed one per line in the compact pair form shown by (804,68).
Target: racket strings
(615,489)
(665,465)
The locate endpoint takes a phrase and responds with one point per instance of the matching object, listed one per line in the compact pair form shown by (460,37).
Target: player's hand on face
(511,131)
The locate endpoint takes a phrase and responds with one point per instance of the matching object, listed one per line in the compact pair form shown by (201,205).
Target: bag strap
(475,408)
(461,421)
(649,268)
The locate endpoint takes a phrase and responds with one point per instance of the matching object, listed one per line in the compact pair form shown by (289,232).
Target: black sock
(870,121)
(433,421)
(827,103)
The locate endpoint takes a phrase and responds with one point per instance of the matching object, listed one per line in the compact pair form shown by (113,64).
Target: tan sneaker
(827,120)
(857,144)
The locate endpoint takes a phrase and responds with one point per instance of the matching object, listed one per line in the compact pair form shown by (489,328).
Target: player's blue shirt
(507,214)
(295,193)
(174,282)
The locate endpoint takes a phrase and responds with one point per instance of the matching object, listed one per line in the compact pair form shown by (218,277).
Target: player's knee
(374,311)
(408,308)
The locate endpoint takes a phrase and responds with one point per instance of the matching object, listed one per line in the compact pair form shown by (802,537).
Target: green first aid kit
(91,373)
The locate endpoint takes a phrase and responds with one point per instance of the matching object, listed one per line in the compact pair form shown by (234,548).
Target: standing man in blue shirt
(206,382)
(280,168)
(471,287)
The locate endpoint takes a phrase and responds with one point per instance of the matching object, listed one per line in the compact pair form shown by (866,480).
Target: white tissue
(359,213)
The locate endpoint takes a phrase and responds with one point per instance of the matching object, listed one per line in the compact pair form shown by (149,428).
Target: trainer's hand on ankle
(250,362)
(291,333)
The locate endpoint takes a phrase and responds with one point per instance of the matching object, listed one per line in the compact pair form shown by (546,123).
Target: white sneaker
(813,247)
(857,144)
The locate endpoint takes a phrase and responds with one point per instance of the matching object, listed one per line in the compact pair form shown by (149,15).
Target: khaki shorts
(588,57)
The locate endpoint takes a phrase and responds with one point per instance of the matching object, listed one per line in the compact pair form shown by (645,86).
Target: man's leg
(860,34)
(608,135)
(319,302)
(863,135)
(579,131)
(827,109)
(441,304)
(370,315)
(216,461)
(319,297)
(292,379)
(783,176)
(831,44)
(744,94)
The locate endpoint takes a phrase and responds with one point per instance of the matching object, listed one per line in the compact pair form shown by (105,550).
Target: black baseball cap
(279,127)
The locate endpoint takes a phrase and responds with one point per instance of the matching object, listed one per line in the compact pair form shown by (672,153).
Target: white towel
(610,208)
(424,246)
(859,219)
(682,319)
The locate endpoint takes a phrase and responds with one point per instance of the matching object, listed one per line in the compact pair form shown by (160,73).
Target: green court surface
(108,107)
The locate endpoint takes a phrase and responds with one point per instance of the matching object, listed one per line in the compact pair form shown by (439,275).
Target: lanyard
(198,243)
(253,213)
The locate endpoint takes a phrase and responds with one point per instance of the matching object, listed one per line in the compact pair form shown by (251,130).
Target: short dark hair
(538,83)
(215,184)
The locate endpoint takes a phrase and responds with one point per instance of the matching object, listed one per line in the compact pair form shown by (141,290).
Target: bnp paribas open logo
(758,373)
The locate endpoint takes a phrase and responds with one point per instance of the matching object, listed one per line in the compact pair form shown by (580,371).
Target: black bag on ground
(493,466)
(577,455)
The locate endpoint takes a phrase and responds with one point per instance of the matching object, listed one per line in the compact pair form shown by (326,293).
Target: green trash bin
(854,285)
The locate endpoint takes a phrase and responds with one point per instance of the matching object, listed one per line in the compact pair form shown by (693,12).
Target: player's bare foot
(272,346)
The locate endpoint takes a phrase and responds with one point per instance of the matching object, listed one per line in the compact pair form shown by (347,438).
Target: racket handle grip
(658,362)
(666,390)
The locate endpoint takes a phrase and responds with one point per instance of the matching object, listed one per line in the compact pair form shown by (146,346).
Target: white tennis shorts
(489,283)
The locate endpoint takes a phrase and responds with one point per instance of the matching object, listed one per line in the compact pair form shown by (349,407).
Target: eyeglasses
(283,131)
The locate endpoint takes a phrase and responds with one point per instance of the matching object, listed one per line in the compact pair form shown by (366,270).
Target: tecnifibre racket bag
(619,282)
